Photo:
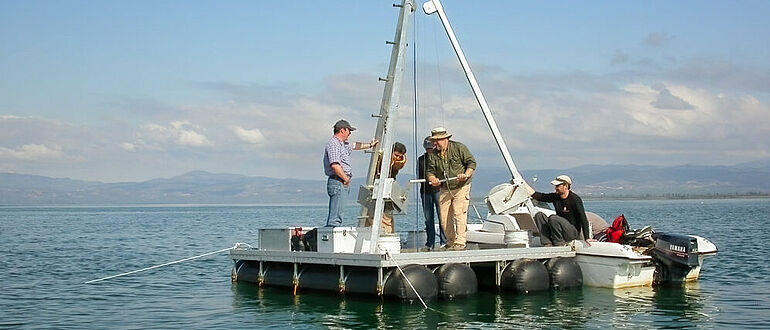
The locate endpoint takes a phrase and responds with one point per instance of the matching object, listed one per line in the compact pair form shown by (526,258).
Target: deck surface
(405,257)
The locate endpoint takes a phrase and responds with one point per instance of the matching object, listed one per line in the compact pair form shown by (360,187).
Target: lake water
(47,253)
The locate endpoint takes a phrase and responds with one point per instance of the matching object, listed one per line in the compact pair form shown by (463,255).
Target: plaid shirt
(339,152)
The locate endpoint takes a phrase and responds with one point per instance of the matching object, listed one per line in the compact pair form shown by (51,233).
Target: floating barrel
(278,274)
(565,273)
(456,280)
(246,271)
(421,277)
(361,280)
(525,275)
(319,277)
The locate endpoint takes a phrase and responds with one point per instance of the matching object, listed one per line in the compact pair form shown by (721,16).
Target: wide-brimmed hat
(342,123)
(439,133)
(561,179)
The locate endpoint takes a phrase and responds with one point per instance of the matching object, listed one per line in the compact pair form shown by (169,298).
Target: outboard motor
(675,255)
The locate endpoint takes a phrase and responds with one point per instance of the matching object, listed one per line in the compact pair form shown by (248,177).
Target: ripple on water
(49,252)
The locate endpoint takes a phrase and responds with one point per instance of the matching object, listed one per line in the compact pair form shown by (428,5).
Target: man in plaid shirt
(337,167)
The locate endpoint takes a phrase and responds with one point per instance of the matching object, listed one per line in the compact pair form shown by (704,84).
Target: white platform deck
(403,258)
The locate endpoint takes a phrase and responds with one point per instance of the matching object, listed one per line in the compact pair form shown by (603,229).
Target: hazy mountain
(193,187)
(210,188)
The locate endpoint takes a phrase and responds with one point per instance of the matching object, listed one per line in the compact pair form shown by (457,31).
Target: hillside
(199,187)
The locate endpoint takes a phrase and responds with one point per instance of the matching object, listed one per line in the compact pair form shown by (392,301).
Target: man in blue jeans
(429,196)
(337,167)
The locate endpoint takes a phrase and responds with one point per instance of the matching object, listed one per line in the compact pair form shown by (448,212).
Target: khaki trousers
(453,207)
(387,222)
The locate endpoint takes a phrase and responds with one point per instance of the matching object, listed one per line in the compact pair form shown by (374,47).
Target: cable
(414,131)
(161,265)
(424,305)
(407,279)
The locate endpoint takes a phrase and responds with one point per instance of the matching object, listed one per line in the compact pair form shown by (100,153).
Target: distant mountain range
(199,187)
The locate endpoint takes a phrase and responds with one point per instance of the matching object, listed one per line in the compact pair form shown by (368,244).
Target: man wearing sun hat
(453,162)
(337,167)
(570,218)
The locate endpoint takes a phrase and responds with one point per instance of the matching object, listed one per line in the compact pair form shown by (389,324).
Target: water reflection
(680,306)
(577,308)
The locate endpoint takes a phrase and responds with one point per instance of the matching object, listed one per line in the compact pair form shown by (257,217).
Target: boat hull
(612,265)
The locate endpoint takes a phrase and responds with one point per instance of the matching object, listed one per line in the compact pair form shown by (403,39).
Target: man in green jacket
(452,162)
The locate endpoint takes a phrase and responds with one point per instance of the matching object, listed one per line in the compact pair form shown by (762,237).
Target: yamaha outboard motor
(675,255)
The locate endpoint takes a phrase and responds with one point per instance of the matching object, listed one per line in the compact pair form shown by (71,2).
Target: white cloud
(192,138)
(32,152)
(182,132)
(549,120)
(666,100)
(128,146)
(253,136)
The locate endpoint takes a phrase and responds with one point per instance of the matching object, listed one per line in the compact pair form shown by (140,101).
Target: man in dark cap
(429,196)
(337,167)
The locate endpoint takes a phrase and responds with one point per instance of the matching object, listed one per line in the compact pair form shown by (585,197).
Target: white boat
(667,259)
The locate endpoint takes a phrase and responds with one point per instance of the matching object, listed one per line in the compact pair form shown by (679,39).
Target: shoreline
(474,200)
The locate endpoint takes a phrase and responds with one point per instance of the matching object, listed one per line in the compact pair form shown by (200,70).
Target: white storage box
(344,239)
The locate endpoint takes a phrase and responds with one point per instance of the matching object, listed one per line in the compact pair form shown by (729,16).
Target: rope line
(158,266)
(407,279)
(413,289)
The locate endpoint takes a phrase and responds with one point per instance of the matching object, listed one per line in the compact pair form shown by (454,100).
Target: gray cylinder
(278,274)
(565,273)
(246,271)
(423,280)
(319,277)
(456,280)
(360,280)
(524,276)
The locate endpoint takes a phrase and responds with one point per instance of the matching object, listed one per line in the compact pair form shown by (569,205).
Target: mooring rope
(161,265)
(412,286)
(407,279)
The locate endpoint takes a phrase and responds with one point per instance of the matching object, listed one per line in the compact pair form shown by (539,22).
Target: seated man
(570,218)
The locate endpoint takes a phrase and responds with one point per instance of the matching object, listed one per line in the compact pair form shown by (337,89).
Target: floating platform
(399,273)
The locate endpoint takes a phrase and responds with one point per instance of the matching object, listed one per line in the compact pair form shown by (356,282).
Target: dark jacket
(421,167)
(455,160)
(570,208)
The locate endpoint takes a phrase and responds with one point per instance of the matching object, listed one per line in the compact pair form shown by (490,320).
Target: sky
(118,91)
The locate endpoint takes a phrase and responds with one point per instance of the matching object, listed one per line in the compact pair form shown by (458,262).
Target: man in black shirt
(570,218)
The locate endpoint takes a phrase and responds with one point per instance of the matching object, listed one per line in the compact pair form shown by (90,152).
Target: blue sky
(134,90)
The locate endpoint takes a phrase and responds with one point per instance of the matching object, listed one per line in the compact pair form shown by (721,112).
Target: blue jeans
(337,194)
(430,209)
